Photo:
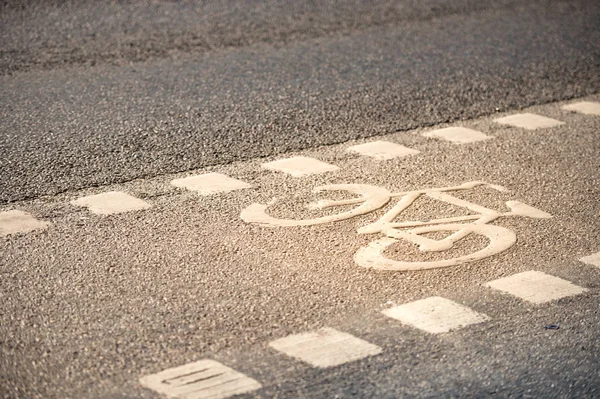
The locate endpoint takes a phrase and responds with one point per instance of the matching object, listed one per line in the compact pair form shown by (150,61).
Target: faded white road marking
(300,166)
(584,107)
(111,202)
(435,315)
(536,287)
(382,150)
(458,135)
(593,259)
(325,347)
(210,183)
(12,222)
(528,121)
(204,379)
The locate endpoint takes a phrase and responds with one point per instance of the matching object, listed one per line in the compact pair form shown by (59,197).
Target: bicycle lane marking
(372,198)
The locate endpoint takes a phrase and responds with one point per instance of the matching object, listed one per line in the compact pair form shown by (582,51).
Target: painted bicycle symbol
(370,198)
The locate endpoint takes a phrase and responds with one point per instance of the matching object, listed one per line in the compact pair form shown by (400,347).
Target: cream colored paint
(368,198)
(204,379)
(111,202)
(584,107)
(300,166)
(536,287)
(529,121)
(593,259)
(14,222)
(325,347)
(458,135)
(210,183)
(382,150)
(435,315)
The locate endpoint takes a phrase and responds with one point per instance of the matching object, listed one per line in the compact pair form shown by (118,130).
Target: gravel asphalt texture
(298,76)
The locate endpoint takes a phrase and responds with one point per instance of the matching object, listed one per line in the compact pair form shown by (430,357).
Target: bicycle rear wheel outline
(374,198)
(372,257)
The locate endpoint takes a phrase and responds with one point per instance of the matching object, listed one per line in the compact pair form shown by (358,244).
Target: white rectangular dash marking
(458,135)
(382,150)
(528,121)
(325,347)
(110,203)
(210,183)
(593,259)
(584,107)
(204,379)
(13,222)
(300,166)
(435,315)
(536,287)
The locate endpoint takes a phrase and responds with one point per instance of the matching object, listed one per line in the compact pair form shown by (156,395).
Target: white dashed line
(111,203)
(584,107)
(435,315)
(210,183)
(528,121)
(205,379)
(593,259)
(382,150)
(12,222)
(536,287)
(458,135)
(325,347)
(300,166)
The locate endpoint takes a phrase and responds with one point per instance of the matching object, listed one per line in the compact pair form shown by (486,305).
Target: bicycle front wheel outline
(373,198)
(372,256)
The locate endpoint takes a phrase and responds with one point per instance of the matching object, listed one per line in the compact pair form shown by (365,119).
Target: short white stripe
(210,183)
(458,135)
(435,315)
(111,202)
(325,347)
(536,287)
(13,222)
(528,121)
(300,166)
(204,379)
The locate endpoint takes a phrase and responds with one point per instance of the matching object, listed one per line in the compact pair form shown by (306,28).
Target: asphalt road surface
(150,192)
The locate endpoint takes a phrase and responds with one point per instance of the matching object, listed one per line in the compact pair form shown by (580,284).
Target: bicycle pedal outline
(372,198)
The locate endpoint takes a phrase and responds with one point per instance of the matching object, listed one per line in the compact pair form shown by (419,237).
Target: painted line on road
(325,347)
(458,135)
(15,221)
(593,259)
(584,107)
(111,202)
(529,121)
(210,183)
(300,166)
(382,150)
(204,379)
(536,287)
(435,315)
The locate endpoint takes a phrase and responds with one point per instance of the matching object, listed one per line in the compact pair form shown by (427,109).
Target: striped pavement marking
(110,203)
(435,315)
(210,183)
(204,379)
(593,259)
(528,121)
(536,287)
(382,150)
(300,166)
(325,347)
(584,107)
(458,135)
(13,222)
